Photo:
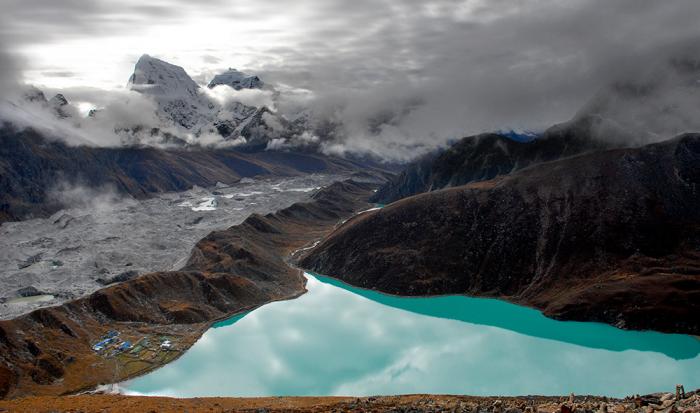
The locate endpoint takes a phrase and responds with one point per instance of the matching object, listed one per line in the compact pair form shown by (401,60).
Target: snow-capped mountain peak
(237,80)
(59,104)
(158,78)
(176,94)
(33,94)
(58,101)
(181,101)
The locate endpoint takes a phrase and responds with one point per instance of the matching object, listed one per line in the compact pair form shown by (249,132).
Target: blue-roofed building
(519,136)
(101,345)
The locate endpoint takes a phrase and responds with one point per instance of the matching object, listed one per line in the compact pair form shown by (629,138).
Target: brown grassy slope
(405,403)
(415,403)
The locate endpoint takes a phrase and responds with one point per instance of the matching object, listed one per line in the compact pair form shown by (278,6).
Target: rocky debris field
(659,402)
(106,238)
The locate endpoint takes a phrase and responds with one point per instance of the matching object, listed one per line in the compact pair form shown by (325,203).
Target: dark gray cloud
(499,65)
(402,75)
(9,71)
(58,73)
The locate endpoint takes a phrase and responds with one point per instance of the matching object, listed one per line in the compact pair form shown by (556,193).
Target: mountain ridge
(31,165)
(609,236)
(486,156)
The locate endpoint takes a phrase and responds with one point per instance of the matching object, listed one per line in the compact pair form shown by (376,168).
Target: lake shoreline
(228,272)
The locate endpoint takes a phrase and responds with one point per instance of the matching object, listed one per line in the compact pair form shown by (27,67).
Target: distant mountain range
(31,166)
(181,102)
(486,156)
(185,114)
(33,160)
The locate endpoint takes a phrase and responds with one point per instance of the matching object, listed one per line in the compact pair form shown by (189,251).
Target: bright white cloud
(251,97)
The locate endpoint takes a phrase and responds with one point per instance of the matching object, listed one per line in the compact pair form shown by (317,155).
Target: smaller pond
(340,340)
(31,299)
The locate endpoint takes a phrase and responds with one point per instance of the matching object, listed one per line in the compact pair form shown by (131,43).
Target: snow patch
(207,204)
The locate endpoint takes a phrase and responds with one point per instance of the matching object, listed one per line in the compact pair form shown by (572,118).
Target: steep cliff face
(31,166)
(177,96)
(483,157)
(49,351)
(611,236)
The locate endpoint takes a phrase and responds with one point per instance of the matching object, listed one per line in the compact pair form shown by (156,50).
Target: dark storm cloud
(522,65)
(434,70)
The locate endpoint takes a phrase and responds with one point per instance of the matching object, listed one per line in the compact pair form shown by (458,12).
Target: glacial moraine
(105,238)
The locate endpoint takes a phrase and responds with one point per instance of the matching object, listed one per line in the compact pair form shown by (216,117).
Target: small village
(147,348)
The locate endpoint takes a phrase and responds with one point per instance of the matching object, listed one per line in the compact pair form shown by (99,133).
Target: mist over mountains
(163,106)
(399,89)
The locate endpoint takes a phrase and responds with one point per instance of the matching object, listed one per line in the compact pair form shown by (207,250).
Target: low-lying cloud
(100,200)
(118,116)
(225,95)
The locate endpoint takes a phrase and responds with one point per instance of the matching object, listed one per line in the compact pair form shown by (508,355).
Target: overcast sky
(449,67)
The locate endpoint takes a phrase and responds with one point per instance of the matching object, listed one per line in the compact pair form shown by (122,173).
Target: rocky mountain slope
(52,351)
(31,166)
(483,157)
(610,236)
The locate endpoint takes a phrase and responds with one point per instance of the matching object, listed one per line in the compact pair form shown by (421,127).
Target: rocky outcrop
(49,351)
(611,236)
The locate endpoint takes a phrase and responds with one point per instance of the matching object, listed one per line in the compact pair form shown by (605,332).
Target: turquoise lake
(341,340)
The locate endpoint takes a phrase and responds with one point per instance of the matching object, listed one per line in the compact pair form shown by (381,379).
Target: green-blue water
(340,340)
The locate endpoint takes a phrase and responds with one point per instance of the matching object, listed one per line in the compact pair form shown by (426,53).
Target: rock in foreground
(419,403)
